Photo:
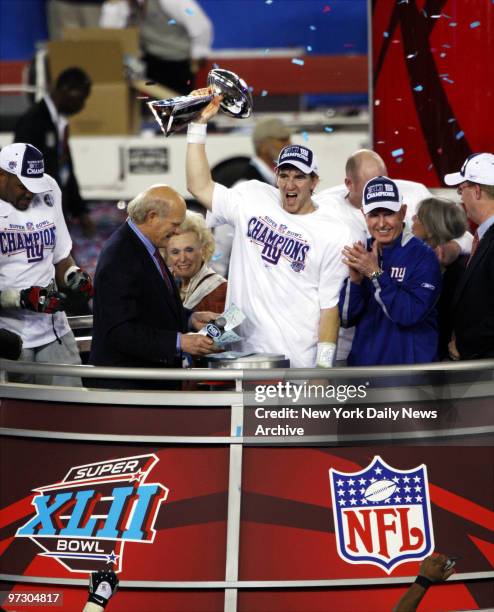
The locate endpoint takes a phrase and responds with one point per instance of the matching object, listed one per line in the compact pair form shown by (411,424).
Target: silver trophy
(173,114)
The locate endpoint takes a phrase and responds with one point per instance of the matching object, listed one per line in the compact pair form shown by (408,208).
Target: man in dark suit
(139,320)
(45,126)
(473,302)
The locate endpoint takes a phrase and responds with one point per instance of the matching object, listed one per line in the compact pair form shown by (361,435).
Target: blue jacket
(395,315)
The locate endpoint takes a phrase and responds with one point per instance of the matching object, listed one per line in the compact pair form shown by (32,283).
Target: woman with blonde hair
(188,255)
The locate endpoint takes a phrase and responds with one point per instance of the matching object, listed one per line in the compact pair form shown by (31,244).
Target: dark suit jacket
(473,303)
(36,127)
(136,317)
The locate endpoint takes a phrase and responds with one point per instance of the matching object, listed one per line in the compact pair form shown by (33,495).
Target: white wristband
(326,352)
(10,298)
(68,272)
(196,133)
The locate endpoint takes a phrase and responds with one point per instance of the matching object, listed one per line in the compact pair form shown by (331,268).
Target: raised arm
(199,181)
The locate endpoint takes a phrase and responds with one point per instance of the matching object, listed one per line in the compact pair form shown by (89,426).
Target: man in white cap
(473,302)
(285,270)
(393,287)
(35,261)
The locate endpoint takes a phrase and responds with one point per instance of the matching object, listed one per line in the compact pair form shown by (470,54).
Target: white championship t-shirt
(31,242)
(284,269)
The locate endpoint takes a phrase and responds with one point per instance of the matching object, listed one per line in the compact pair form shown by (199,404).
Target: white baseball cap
(26,162)
(478,168)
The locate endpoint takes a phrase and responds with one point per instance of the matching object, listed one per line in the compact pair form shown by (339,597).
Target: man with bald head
(139,320)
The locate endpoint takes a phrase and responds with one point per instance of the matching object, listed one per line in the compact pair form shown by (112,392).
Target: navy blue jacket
(395,315)
(135,316)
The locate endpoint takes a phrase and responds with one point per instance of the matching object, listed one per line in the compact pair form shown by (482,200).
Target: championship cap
(381,192)
(300,157)
(477,168)
(26,162)
(270,128)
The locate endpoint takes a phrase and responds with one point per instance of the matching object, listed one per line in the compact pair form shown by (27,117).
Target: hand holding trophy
(235,99)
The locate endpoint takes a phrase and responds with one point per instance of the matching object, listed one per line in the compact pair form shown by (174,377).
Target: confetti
(377,102)
(386,34)
(298,61)
(313,28)
(459,135)
(397,152)
(448,80)
(189,11)
(453,24)
(172,21)
(309,48)
(418,88)
(381,142)
(305,136)
(264,93)
(475,24)
(215,65)
(328,129)
(269,1)
(266,51)
(398,160)
(446,46)
(142,97)
(442,54)
(430,166)
(452,120)
(326,9)
(412,55)
(436,16)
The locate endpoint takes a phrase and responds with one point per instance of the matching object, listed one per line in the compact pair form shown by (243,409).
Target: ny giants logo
(85,520)
(277,242)
(382,515)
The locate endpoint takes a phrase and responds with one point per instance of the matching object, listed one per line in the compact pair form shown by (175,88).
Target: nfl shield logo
(382,515)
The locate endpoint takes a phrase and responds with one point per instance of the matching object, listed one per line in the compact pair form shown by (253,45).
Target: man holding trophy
(286,270)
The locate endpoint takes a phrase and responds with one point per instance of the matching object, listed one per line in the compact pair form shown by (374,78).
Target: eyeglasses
(462,186)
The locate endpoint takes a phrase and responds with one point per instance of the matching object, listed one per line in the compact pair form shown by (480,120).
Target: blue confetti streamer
(309,48)
(298,61)
(266,51)
(459,135)
(328,129)
(238,431)
(305,136)
(386,34)
(172,21)
(418,88)
(475,24)
(264,93)
(189,11)
(398,152)
(269,1)
(313,27)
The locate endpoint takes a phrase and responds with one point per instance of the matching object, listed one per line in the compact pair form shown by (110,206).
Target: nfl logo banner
(382,515)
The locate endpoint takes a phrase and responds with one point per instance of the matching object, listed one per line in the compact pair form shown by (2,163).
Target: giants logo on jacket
(15,239)
(84,520)
(382,516)
(278,242)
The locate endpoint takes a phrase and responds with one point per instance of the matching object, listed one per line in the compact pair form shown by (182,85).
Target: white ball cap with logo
(26,162)
(477,168)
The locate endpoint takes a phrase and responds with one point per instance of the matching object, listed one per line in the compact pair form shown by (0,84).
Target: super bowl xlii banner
(160,514)
(432,84)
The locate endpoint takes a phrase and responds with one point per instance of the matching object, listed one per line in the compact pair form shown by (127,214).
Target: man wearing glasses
(473,302)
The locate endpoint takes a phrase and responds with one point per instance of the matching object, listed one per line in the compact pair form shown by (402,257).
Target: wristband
(325,354)
(68,272)
(422,581)
(196,133)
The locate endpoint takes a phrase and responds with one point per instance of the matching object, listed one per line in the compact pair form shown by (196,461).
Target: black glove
(102,585)
(42,299)
(10,345)
(79,281)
